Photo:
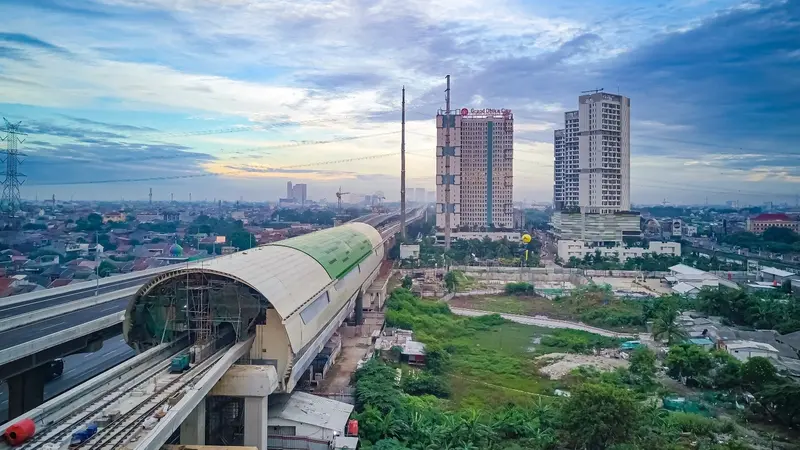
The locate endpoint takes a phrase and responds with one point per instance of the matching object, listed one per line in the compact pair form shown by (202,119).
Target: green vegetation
(519,289)
(762,310)
(407,282)
(480,390)
(592,304)
(773,239)
(467,251)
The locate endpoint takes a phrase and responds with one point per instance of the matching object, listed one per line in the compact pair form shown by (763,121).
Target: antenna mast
(447,166)
(403,167)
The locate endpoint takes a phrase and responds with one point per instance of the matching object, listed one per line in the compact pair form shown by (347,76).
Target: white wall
(568,248)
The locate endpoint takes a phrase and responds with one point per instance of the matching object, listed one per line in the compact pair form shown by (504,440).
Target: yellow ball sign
(526,238)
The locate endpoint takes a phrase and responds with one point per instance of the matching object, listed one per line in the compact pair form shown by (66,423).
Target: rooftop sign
(486,112)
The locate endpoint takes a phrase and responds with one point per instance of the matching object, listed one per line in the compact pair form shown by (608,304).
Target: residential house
(745,349)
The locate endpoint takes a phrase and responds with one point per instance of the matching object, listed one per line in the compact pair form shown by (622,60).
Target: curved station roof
(286,275)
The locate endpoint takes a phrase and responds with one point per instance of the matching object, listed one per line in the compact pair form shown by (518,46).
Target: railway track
(123,427)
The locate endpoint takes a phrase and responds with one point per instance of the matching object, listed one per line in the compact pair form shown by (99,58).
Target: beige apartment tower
(480,171)
(592,156)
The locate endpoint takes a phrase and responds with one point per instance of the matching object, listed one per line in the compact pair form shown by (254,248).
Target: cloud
(113,126)
(25,40)
(713,86)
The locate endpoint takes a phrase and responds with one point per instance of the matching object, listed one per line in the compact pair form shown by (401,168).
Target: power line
(208,174)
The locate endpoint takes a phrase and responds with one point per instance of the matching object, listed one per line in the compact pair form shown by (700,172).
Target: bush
(520,288)
(699,425)
(424,383)
(578,341)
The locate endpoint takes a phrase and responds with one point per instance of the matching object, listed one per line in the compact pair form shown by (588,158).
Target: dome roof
(175,250)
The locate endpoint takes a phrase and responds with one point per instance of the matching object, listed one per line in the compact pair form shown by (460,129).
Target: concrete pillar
(359,308)
(193,429)
(26,391)
(255,422)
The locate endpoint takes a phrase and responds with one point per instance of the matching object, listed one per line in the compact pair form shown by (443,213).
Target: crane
(339,195)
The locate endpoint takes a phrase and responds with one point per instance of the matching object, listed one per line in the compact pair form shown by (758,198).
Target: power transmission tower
(447,166)
(403,167)
(11,199)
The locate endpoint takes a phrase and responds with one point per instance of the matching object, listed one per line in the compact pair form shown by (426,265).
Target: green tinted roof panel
(337,249)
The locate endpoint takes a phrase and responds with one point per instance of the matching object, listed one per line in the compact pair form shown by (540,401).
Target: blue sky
(253,93)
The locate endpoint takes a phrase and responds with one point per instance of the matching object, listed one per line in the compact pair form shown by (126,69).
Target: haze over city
(248,91)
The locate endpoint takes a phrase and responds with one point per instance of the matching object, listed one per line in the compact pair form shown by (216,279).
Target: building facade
(761,222)
(300,193)
(477,165)
(596,228)
(579,249)
(592,156)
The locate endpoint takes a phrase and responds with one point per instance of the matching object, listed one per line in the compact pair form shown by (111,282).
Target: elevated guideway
(308,285)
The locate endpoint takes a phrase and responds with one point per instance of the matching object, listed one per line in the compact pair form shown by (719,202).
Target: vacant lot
(593,305)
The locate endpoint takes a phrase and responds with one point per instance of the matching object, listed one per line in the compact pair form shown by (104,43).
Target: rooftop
(776,272)
(742,344)
(773,216)
(310,409)
(683,269)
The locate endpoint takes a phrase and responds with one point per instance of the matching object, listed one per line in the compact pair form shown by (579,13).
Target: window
(314,308)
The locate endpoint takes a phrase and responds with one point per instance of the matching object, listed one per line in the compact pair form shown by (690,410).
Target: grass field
(594,307)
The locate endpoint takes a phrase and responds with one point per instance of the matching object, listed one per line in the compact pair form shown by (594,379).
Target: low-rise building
(745,349)
(775,276)
(597,229)
(579,249)
(304,419)
(761,222)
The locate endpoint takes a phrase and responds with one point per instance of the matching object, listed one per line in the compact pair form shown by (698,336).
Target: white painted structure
(409,251)
(579,249)
(744,349)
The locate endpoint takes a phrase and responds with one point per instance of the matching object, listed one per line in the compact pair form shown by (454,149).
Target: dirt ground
(559,365)
(356,343)
(651,285)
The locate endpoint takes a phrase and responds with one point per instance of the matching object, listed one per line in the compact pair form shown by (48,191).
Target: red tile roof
(773,217)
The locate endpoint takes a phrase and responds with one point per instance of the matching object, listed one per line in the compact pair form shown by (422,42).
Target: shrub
(520,288)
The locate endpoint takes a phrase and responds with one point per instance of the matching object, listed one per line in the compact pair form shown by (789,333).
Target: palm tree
(666,327)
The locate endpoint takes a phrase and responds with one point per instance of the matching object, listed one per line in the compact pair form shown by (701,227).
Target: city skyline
(132,90)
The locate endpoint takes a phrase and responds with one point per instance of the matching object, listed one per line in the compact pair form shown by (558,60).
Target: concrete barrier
(46,313)
(22,350)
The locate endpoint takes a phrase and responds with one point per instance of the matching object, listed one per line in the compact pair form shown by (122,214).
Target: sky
(230,99)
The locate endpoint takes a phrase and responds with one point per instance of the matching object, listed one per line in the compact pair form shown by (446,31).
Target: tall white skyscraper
(592,156)
(481,169)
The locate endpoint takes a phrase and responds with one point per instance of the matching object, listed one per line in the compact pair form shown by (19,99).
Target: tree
(643,364)
(666,327)
(105,269)
(688,360)
(407,282)
(242,240)
(728,371)
(783,235)
(450,281)
(599,416)
(758,371)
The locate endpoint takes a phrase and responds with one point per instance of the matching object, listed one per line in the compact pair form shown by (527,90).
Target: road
(541,321)
(78,369)
(20,308)
(20,335)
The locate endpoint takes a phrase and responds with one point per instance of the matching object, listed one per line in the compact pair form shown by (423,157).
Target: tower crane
(339,195)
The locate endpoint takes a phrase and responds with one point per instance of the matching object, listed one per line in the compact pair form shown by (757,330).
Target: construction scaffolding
(206,305)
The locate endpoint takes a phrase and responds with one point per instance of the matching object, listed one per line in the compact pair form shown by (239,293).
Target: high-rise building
(480,177)
(299,193)
(419,195)
(591,190)
(289,191)
(566,176)
(592,156)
